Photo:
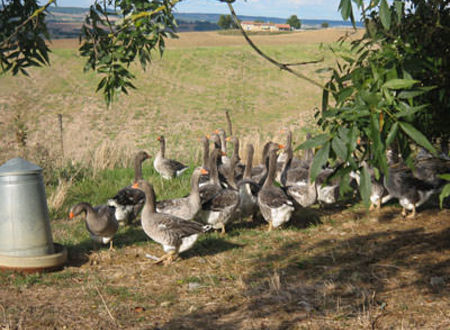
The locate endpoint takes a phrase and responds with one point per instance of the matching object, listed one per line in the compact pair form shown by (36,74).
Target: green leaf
(409,94)
(325,97)
(445,177)
(406,110)
(320,159)
(444,194)
(399,83)
(345,7)
(365,186)
(339,148)
(399,9)
(385,15)
(314,142)
(417,136)
(392,134)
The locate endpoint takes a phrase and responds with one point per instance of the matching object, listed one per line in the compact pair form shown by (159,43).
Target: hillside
(65,22)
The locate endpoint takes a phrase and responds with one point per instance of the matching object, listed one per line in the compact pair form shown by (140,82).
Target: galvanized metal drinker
(26,242)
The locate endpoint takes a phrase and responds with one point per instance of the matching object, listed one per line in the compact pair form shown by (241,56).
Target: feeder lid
(19,166)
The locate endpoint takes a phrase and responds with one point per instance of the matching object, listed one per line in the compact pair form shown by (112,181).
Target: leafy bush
(387,92)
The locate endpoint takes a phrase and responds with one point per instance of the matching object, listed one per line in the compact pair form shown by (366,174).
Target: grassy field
(329,268)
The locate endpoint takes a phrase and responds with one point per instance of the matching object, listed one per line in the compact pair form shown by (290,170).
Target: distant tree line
(225,22)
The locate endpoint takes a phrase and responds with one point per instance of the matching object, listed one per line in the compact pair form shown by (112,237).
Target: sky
(304,9)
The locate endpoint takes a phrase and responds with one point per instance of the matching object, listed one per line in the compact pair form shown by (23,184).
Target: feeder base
(36,264)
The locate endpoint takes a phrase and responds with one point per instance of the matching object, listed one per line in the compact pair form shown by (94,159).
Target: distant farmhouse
(260,26)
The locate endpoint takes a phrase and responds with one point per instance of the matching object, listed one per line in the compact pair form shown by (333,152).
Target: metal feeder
(26,242)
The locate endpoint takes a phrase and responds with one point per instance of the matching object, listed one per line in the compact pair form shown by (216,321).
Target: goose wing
(179,228)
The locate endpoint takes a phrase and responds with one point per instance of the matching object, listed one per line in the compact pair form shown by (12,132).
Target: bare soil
(218,39)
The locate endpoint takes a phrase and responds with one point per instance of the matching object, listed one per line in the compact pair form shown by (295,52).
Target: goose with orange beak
(176,235)
(101,222)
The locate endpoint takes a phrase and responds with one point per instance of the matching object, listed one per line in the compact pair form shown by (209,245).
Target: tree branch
(307,62)
(281,66)
(36,13)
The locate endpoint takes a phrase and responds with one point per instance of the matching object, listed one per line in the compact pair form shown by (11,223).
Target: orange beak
(135,185)
(71,215)
(223,153)
(216,131)
(281,146)
(228,138)
(203,171)
(158,138)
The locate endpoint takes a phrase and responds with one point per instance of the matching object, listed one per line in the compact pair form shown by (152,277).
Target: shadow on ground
(363,278)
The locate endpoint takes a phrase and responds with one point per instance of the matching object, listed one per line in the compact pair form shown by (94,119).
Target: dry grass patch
(350,271)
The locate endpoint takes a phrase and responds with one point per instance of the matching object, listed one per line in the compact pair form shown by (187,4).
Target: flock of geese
(224,190)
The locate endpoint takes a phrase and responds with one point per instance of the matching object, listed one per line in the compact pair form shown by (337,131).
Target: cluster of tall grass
(108,167)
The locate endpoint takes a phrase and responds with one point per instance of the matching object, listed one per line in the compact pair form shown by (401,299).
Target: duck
(297,182)
(221,206)
(175,235)
(274,204)
(128,202)
(187,207)
(101,222)
(167,168)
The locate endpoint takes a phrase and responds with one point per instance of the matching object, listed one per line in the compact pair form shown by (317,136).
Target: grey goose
(219,207)
(101,222)
(167,168)
(176,235)
(275,206)
(187,207)
(297,182)
(128,202)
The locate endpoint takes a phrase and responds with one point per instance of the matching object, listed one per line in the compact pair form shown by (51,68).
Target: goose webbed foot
(404,213)
(167,259)
(413,213)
